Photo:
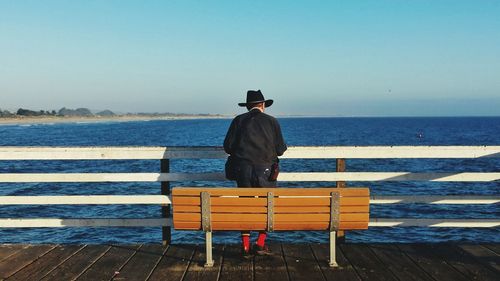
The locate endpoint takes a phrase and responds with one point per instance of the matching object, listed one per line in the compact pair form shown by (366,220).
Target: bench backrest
(270,208)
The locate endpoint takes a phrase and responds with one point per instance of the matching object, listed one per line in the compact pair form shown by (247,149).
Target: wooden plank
(195,201)
(85,200)
(493,247)
(430,263)
(54,222)
(284,177)
(6,250)
(182,225)
(483,255)
(344,271)
(235,267)
(390,176)
(262,191)
(197,271)
(306,152)
(476,223)
(277,209)
(347,217)
(108,265)
(80,153)
(233,201)
(321,226)
(21,259)
(271,267)
(366,263)
(398,263)
(102,153)
(278,218)
(42,266)
(78,263)
(220,209)
(239,225)
(448,199)
(174,263)
(109,177)
(384,152)
(462,262)
(301,263)
(142,264)
(219,201)
(196,217)
(347,201)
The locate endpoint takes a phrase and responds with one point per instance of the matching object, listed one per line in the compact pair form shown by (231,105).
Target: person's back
(256,140)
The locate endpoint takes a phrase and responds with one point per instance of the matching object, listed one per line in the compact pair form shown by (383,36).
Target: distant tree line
(6,113)
(85,112)
(62,112)
(27,112)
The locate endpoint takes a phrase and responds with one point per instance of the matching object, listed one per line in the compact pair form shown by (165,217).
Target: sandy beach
(96,119)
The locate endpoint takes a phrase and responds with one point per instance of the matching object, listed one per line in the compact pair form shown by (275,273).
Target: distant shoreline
(97,119)
(20,120)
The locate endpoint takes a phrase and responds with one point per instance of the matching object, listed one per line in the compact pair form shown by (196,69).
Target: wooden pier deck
(288,262)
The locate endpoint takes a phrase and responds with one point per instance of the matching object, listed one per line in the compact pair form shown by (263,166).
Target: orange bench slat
(277,209)
(239,225)
(259,191)
(235,201)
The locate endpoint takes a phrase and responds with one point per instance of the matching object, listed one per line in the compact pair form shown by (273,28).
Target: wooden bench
(270,209)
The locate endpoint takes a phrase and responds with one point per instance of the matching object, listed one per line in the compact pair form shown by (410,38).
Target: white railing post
(341,167)
(165,210)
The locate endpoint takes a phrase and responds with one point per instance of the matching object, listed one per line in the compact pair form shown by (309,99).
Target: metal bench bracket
(206,225)
(334,225)
(334,211)
(270,211)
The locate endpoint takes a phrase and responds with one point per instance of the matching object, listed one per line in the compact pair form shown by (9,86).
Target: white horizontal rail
(103,153)
(449,199)
(368,152)
(165,200)
(52,222)
(320,152)
(309,177)
(85,200)
(390,176)
(479,223)
(110,177)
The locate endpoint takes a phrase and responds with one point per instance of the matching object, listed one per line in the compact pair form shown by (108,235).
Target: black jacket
(255,137)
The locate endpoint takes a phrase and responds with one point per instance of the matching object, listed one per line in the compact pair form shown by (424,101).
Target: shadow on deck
(288,262)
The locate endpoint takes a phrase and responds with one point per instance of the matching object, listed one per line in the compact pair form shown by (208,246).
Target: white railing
(165,176)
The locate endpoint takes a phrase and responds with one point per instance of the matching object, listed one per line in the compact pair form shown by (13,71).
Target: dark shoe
(246,255)
(262,251)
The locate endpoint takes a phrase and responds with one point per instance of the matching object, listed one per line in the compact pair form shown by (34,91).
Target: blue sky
(339,58)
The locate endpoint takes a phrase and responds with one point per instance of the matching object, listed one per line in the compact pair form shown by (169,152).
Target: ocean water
(297,131)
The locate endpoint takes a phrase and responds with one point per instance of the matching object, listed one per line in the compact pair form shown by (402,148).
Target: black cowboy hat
(255,97)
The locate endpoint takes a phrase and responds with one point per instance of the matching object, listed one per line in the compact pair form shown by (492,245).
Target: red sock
(246,242)
(261,240)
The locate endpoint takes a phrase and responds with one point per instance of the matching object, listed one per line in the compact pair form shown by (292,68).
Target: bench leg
(333,260)
(208,245)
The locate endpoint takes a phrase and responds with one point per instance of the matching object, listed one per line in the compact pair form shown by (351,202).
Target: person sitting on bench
(254,141)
